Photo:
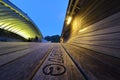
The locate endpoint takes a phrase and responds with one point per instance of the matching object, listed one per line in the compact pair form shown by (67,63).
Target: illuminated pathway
(54,61)
(89,48)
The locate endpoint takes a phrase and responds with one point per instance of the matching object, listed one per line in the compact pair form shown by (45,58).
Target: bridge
(14,20)
(89,47)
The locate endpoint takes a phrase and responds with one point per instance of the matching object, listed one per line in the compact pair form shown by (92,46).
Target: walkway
(54,61)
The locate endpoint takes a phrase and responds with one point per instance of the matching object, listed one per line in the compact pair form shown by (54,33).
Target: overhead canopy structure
(14,20)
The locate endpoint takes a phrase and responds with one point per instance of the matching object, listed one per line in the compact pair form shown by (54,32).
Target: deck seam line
(18,58)
(14,51)
(77,65)
(40,63)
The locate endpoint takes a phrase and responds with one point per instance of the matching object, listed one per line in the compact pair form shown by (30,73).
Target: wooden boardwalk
(54,61)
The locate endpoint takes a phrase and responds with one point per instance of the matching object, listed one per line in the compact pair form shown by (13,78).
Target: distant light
(84,29)
(69,20)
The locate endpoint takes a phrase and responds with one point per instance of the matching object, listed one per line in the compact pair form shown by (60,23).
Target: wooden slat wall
(104,39)
(97,27)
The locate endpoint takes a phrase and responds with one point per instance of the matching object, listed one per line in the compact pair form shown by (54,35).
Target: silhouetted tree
(54,38)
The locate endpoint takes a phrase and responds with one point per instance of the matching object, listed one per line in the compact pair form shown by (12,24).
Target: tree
(54,38)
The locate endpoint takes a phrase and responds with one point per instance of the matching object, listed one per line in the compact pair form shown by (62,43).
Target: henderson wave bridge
(89,47)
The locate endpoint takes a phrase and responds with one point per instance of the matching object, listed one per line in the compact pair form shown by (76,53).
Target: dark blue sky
(48,15)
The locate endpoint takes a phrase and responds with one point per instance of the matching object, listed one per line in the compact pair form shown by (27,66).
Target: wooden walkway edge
(55,61)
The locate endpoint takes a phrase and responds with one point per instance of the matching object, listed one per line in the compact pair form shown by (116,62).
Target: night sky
(48,15)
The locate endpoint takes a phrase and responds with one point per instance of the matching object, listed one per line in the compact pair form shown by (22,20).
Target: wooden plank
(4,59)
(95,66)
(108,30)
(42,63)
(109,22)
(104,37)
(103,50)
(14,49)
(3,44)
(8,47)
(101,37)
(105,43)
(58,66)
(23,67)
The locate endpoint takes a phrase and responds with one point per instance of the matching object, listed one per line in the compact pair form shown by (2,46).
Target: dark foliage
(54,38)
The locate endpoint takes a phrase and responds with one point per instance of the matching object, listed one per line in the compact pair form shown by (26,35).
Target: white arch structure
(14,20)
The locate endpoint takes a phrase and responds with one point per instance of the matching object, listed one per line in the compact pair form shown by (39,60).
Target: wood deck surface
(55,61)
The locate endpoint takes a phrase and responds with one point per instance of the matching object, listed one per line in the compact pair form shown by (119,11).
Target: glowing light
(69,20)
(2,26)
(16,23)
(84,29)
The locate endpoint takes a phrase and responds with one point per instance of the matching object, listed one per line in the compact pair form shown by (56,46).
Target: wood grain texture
(96,66)
(58,66)
(39,62)
(25,63)
(95,26)
(53,61)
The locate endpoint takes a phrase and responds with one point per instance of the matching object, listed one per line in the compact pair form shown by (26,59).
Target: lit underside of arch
(13,21)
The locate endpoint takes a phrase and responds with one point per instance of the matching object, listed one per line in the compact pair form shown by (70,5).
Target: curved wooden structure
(14,20)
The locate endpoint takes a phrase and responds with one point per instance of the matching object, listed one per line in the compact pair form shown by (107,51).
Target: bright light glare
(84,29)
(69,20)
